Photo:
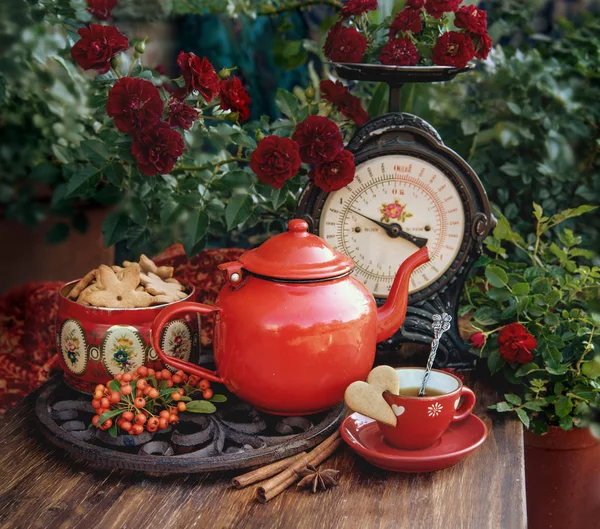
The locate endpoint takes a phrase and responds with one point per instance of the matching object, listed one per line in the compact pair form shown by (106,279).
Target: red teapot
(293,328)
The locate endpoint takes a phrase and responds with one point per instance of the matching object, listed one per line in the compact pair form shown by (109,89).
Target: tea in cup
(421,421)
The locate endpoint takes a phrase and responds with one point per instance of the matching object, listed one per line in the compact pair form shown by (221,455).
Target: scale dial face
(395,204)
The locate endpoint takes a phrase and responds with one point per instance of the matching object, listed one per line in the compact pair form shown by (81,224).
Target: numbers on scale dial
(404,193)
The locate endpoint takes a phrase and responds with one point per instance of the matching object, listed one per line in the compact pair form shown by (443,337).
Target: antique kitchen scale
(410,191)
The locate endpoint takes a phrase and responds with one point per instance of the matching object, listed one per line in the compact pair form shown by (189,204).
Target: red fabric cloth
(27,314)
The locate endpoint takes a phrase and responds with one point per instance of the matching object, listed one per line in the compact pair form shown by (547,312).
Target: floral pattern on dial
(177,340)
(435,409)
(123,349)
(73,346)
(394,210)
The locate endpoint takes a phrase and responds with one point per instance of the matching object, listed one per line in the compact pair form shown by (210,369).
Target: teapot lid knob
(298,226)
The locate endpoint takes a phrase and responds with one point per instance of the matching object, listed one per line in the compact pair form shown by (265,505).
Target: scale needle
(395,230)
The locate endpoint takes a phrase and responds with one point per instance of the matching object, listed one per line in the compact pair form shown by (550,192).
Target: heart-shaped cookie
(384,378)
(368,400)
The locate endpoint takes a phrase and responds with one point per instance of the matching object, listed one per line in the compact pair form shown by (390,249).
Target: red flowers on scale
(409,38)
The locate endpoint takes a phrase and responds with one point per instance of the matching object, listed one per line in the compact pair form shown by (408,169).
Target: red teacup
(421,421)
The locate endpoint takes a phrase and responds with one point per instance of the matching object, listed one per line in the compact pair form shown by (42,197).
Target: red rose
(453,49)
(337,94)
(472,19)
(275,160)
(333,175)
(199,75)
(344,44)
(415,4)
(399,52)
(156,149)
(97,46)
(234,97)
(134,104)
(101,9)
(319,139)
(357,7)
(477,340)
(436,8)
(407,20)
(516,344)
(181,115)
(483,45)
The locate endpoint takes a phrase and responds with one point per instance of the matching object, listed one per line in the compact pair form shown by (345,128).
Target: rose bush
(534,320)
(173,156)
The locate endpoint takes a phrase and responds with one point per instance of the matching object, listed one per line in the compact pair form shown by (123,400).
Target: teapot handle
(157,326)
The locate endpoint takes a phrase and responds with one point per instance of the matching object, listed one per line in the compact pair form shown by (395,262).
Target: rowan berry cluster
(148,400)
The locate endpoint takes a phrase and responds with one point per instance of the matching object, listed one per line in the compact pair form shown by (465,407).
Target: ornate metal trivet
(235,437)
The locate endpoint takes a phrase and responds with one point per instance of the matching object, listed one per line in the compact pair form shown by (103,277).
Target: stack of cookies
(133,285)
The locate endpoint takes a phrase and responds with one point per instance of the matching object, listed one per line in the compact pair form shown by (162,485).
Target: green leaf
(502,407)
(563,406)
(197,229)
(524,417)
(96,152)
(218,398)
(114,228)
(527,369)
(552,298)
(566,423)
(496,276)
(379,101)
(569,214)
(535,405)
(499,294)
(287,103)
(278,196)
(114,173)
(139,213)
(513,399)
(110,414)
(112,431)
(486,316)
(551,319)
(238,210)
(82,179)
(201,406)
(495,362)
(114,385)
(521,289)
(57,233)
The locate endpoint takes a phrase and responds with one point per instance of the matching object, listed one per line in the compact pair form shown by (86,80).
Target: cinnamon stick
(274,486)
(265,472)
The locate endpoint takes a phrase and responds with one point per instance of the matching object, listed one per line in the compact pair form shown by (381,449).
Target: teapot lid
(296,255)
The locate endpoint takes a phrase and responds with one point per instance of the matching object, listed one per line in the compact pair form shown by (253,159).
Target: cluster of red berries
(142,400)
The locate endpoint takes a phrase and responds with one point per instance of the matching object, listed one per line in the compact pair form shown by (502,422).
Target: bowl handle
(157,326)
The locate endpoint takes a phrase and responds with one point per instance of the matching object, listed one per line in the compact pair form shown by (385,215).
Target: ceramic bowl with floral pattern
(96,344)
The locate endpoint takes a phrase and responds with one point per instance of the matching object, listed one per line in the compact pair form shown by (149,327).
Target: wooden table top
(42,487)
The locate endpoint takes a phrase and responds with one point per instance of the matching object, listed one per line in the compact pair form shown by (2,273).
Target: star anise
(316,479)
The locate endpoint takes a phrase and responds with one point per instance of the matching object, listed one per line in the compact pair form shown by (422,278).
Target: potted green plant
(534,321)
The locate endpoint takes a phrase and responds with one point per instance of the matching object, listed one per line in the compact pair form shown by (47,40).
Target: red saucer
(461,438)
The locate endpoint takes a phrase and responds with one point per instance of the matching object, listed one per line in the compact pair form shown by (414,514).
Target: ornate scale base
(235,437)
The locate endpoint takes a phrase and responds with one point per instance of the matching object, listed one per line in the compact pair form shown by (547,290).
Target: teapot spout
(391,314)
